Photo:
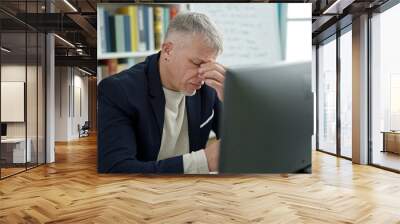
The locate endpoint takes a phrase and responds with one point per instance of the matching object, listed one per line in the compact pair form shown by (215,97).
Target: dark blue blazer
(131,108)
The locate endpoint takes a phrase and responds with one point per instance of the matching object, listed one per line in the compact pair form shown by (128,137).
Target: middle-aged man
(156,117)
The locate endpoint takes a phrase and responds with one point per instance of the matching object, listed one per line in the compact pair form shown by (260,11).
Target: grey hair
(197,23)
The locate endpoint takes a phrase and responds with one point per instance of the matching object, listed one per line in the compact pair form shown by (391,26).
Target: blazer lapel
(193,109)
(156,93)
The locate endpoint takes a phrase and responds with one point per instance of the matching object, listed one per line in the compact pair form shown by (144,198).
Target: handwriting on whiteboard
(250,31)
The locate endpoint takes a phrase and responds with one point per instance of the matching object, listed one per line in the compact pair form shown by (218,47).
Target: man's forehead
(205,56)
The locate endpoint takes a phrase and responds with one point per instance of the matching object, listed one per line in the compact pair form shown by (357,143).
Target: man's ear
(167,48)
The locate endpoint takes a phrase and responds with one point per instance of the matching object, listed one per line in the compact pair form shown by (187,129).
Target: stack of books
(134,28)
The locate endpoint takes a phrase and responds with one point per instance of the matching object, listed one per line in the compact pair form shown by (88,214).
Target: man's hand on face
(214,76)
(212,154)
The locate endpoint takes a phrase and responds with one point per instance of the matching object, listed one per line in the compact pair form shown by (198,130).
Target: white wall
(70,83)
(61,103)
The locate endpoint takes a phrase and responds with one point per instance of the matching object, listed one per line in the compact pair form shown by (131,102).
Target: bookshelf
(128,33)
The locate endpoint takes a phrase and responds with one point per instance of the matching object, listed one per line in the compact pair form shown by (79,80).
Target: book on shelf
(112,42)
(158,26)
(166,15)
(173,11)
(127,33)
(149,30)
(101,15)
(120,33)
(142,35)
(131,11)
(134,28)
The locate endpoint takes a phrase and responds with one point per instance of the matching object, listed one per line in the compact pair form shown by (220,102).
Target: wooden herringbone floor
(70,191)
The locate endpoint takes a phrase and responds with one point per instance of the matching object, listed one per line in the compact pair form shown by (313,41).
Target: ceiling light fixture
(5,49)
(70,5)
(84,71)
(337,7)
(65,41)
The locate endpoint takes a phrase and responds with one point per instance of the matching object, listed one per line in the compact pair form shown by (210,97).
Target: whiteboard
(250,31)
(12,101)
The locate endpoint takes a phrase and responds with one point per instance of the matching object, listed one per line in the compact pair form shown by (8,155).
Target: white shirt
(175,137)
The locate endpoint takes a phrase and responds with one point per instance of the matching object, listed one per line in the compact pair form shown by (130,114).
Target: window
(385,88)
(346,94)
(327,96)
(298,38)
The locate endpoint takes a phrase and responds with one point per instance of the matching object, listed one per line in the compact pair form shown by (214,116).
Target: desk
(15,148)
(391,141)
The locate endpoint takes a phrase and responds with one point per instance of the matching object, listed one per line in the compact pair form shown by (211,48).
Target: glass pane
(395,101)
(31,98)
(346,94)
(327,97)
(41,99)
(386,89)
(32,86)
(314,88)
(13,87)
(23,88)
